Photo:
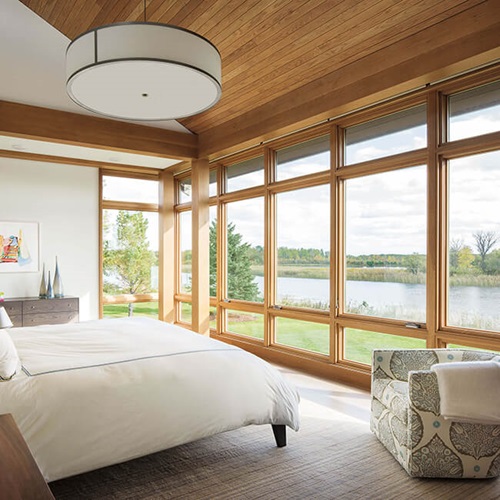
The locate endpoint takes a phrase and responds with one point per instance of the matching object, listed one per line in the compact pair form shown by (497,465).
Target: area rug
(332,456)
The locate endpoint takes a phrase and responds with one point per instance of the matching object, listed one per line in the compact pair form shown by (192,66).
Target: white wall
(64,200)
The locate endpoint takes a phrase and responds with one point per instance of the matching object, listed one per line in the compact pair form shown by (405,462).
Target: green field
(306,335)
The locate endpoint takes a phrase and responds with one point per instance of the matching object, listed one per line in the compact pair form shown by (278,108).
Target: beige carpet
(332,456)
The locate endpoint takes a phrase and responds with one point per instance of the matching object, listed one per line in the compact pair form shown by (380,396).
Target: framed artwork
(19,247)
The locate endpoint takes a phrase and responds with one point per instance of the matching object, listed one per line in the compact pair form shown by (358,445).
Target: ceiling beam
(459,43)
(30,122)
(66,160)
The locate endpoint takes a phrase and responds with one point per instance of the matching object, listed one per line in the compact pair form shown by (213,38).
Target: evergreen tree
(129,259)
(240,284)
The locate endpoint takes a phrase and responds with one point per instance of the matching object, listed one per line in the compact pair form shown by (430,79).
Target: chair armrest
(395,364)
(423,391)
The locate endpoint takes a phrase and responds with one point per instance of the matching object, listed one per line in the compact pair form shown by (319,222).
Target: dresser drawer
(17,320)
(13,308)
(49,306)
(50,318)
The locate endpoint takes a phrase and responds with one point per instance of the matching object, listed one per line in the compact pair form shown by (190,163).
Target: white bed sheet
(101,392)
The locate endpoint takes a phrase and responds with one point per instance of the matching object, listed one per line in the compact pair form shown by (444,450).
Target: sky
(385,212)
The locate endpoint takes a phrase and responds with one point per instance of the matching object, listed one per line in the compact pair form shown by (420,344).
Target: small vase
(50,294)
(58,286)
(43,286)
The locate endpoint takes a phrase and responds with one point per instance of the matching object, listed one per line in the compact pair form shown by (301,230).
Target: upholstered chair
(405,417)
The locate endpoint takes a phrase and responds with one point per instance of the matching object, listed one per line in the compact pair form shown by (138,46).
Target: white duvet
(101,392)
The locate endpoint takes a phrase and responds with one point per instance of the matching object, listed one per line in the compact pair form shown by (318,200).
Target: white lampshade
(5,321)
(143,71)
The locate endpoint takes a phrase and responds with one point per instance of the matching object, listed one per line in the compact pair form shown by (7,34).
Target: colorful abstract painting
(19,247)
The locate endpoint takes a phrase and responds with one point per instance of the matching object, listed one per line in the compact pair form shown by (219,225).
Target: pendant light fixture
(143,71)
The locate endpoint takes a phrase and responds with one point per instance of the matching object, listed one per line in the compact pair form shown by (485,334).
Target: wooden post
(201,247)
(166,269)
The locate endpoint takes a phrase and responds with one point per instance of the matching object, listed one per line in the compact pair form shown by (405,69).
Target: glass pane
(186,313)
(127,189)
(212,187)
(185,190)
(474,112)
(385,244)
(186,247)
(245,249)
(246,174)
(303,334)
(149,309)
(213,318)
(359,344)
(245,323)
(213,251)
(130,252)
(458,346)
(303,240)
(302,159)
(389,135)
(474,242)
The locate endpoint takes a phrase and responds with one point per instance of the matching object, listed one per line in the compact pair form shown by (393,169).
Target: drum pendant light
(143,71)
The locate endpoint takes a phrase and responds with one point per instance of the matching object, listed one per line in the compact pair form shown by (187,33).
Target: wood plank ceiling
(269,48)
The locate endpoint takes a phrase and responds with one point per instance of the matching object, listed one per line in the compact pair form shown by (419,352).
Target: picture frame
(19,247)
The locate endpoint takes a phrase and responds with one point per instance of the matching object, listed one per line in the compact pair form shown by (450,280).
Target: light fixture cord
(144,10)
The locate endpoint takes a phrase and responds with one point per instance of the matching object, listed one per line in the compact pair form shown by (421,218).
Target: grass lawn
(290,332)
(140,309)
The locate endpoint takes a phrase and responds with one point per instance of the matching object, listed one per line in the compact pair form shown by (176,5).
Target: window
(304,335)
(245,249)
(129,189)
(130,246)
(302,159)
(213,251)
(247,174)
(359,344)
(212,186)
(378,219)
(385,244)
(186,247)
(248,324)
(303,247)
(474,242)
(474,112)
(185,190)
(396,133)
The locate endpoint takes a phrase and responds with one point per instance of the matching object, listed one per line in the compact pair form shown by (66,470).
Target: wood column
(166,264)
(201,247)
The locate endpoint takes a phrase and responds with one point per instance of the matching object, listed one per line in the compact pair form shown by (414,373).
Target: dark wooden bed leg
(280,435)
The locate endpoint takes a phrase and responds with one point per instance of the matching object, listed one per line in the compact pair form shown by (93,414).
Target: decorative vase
(50,294)
(58,286)
(43,286)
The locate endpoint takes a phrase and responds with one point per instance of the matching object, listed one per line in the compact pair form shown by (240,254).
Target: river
(468,305)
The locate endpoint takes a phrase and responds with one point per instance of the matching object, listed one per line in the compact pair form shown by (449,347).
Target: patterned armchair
(405,417)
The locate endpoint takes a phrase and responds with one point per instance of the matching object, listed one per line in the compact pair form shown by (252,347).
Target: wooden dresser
(32,311)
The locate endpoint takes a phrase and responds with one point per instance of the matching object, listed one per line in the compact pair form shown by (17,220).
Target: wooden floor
(331,395)
(334,455)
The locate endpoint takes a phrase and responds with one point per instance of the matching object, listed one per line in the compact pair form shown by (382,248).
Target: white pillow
(9,359)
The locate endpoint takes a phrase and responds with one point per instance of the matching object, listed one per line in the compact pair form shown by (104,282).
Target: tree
(128,259)
(240,283)
(415,263)
(460,257)
(485,240)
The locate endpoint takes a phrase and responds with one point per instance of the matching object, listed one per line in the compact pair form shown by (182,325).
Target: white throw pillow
(9,359)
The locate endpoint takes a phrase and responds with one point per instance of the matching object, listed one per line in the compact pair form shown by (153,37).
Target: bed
(96,393)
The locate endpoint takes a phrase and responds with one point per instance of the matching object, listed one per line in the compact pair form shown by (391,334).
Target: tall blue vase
(50,293)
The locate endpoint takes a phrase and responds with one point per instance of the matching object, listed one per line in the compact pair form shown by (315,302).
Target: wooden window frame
(435,156)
